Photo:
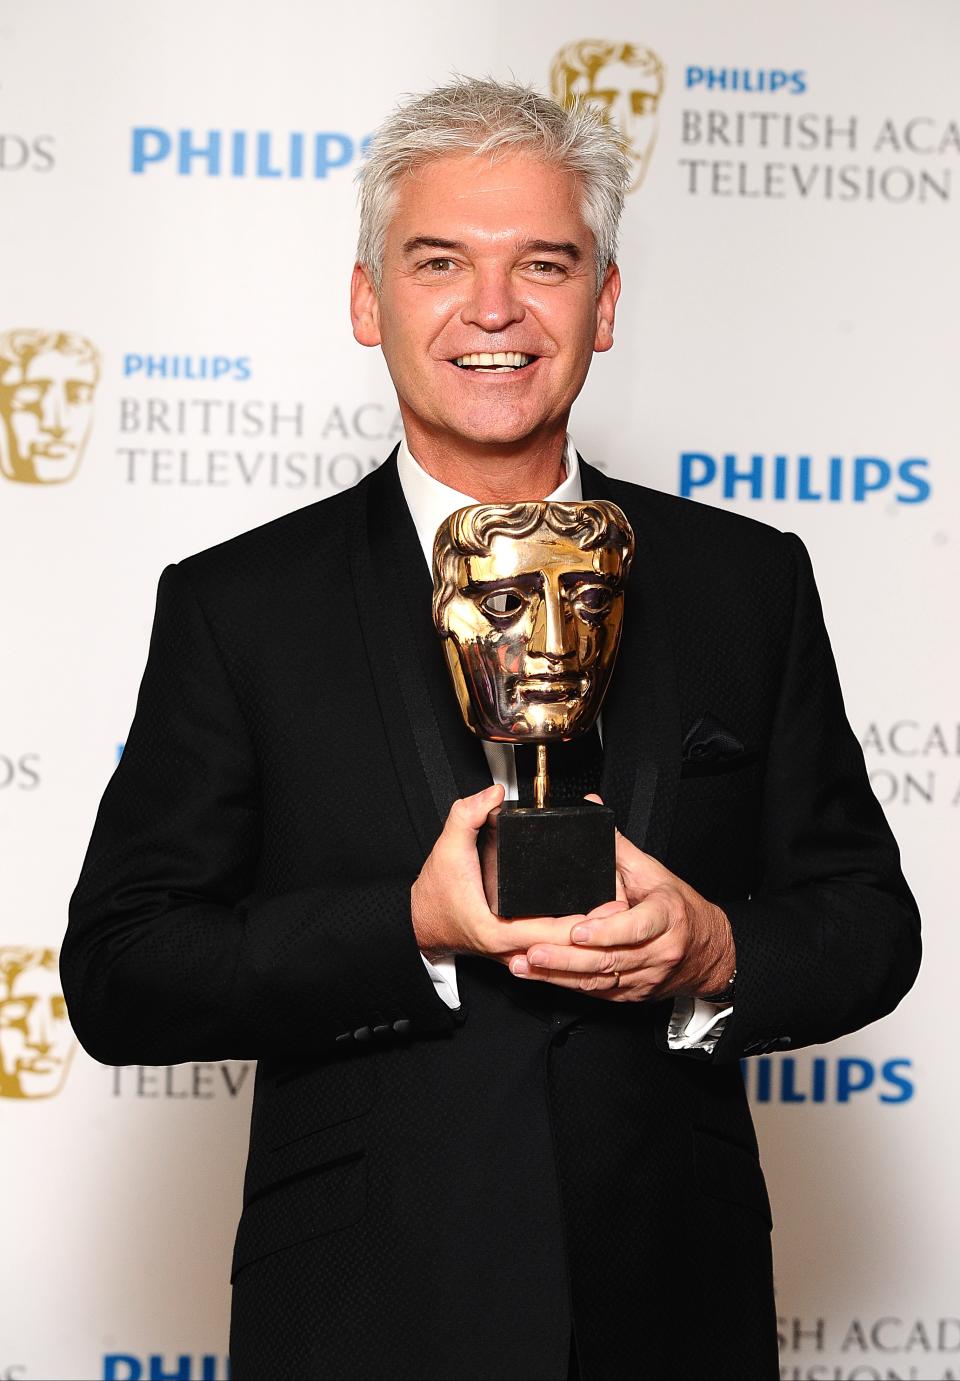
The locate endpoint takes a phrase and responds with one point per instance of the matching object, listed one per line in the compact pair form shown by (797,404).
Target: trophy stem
(541,782)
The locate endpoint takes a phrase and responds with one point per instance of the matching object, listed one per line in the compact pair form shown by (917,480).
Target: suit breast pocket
(305,1099)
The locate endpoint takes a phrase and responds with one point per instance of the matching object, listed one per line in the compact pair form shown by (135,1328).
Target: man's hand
(659,939)
(447,902)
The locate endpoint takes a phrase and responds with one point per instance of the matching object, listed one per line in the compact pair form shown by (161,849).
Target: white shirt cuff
(444,975)
(696,1024)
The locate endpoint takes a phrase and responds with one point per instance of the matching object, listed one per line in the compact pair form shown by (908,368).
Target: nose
(54,410)
(553,635)
(493,304)
(38,1028)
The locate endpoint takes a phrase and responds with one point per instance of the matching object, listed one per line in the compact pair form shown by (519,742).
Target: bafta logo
(625,80)
(36,1040)
(47,383)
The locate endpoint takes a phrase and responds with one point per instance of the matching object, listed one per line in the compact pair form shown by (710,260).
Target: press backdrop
(176,365)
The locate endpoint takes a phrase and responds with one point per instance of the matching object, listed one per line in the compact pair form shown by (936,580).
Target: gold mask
(528,599)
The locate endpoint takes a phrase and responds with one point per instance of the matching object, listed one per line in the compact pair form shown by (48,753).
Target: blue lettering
(187,151)
(753,476)
(803,480)
(132,364)
(764,1072)
(798,83)
(114,1360)
(182,1372)
(836,478)
(149,146)
(903,1085)
(323,160)
(243,370)
(819,1093)
(788,1091)
(296,155)
(695,76)
(696,470)
(780,477)
(264,168)
(905,472)
(847,1083)
(238,159)
(862,484)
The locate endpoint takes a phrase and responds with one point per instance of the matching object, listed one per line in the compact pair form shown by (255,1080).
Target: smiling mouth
(502,361)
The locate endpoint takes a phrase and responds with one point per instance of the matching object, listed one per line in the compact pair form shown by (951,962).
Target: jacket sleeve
(829,940)
(169,954)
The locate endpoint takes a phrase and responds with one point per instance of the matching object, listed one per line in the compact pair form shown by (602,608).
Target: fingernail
(538,957)
(519,967)
(580,935)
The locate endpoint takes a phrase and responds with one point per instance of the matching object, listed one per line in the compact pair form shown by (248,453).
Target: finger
(607,985)
(646,921)
(607,908)
(642,870)
(468,816)
(516,937)
(576,959)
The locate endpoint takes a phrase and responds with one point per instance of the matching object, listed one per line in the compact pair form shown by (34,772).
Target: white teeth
(502,359)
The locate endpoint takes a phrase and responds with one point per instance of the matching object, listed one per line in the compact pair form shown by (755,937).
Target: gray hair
(490,119)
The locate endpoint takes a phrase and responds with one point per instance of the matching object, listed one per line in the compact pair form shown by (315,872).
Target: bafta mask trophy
(528,599)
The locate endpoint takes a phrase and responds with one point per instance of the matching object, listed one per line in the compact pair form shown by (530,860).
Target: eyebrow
(564,247)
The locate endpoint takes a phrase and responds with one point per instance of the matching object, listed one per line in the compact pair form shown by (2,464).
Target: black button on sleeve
(362,1033)
(402,1026)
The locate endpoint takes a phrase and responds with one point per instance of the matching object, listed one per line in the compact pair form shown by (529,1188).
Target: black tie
(575,768)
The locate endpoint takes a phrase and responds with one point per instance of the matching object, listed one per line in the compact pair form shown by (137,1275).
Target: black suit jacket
(432,1194)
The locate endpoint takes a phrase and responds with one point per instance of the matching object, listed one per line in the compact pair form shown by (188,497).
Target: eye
(593,601)
(438,266)
(543,268)
(27,395)
(502,604)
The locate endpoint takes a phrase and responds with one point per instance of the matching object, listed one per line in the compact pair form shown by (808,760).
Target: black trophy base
(558,861)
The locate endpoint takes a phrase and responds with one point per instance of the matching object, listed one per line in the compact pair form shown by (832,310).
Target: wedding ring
(616,980)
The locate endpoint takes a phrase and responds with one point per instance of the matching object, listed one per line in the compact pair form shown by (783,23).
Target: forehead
(623,76)
(49,365)
(36,982)
(544,552)
(469,198)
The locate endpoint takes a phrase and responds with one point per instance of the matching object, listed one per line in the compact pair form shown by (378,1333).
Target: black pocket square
(709,746)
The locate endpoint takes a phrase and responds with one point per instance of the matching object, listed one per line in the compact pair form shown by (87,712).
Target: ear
(364,307)
(607,308)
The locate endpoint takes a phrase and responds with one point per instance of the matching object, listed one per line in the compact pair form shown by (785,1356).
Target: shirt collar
(430,502)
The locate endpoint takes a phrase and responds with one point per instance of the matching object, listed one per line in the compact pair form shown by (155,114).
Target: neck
(491,473)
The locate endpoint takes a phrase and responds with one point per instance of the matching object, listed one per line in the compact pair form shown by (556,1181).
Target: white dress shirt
(694,1024)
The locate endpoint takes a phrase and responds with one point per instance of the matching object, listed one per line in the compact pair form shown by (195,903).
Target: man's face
(532,634)
(36,1040)
(46,406)
(484,260)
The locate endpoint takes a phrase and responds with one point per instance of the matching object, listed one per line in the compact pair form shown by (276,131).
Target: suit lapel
(641,712)
(436,758)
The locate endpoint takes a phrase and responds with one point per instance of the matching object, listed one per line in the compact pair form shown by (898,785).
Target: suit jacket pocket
(728,1171)
(313,1204)
(717,767)
(309,1098)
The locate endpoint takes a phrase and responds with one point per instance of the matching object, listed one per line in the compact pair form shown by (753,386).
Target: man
(515,1148)
(47,383)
